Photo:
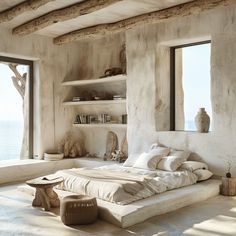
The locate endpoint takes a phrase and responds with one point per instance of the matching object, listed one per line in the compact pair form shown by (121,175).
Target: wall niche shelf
(110,79)
(101,125)
(95,102)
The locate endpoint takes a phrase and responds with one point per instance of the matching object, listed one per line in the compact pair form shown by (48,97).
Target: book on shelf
(119,97)
(92,119)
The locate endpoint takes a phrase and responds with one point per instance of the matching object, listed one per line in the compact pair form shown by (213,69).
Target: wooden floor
(216,216)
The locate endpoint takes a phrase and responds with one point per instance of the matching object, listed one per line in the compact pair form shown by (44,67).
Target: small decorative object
(124,148)
(202,121)
(77,99)
(119,97)
(53,156)
(118,155)
(230,163)
(123,58)
(124,119)
(112,71)
(112,144)
(72,146)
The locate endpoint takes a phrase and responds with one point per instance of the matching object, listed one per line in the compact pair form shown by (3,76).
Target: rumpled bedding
(122,185)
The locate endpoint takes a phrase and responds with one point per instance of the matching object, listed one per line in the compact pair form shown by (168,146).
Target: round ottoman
(78,209)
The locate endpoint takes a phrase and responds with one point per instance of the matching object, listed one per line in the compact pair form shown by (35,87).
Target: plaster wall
(99,55)
(148,85)
(52,64)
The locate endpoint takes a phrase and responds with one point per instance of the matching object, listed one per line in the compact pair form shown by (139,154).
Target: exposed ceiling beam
(63,14)
(17,10)
(185,9)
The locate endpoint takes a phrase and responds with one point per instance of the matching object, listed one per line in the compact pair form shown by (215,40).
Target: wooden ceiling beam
(185,9)
(63,14)
(20,8)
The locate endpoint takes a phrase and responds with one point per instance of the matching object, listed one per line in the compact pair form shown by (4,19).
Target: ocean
(11,133)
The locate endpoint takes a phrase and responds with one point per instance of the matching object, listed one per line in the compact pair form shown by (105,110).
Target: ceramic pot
(202,121)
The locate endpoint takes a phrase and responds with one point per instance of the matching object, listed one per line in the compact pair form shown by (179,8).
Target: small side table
(45,196)
(228,187)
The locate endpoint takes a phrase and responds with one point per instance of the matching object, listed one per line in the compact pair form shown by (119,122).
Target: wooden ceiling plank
(63,14)
(185,9)
(20,8)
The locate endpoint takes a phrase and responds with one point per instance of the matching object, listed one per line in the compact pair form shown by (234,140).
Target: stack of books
(77,99)
(92,119)
(119,97)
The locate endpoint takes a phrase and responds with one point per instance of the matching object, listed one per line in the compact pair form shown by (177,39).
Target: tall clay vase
(202,121)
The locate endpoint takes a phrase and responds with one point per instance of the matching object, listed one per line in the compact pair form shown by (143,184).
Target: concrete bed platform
(127,215)
(136,212)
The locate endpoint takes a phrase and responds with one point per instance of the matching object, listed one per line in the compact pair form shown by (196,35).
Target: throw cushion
(149,160)
(202,174)
(193,165)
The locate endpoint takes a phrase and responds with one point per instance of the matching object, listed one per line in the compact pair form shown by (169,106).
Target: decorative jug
(202,121)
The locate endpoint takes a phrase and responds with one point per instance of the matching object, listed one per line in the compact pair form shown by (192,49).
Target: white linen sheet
(122,185)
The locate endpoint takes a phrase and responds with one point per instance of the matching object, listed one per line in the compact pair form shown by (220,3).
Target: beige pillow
(149,160)
(202,174)
(184,155)
(170,163)
(193,165)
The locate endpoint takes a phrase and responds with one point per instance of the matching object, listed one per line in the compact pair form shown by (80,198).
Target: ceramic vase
(202,121)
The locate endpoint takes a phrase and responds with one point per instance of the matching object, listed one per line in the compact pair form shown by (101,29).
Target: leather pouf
(78,209)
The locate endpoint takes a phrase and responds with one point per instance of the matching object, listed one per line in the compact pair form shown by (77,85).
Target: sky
(196,79)
(10,99)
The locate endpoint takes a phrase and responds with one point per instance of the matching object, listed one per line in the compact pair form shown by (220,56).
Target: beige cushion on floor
(78,209)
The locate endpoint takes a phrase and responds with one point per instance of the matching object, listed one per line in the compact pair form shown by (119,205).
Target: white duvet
(122,185)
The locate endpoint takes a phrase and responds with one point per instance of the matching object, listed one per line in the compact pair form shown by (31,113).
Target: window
(16,115)
(190,84)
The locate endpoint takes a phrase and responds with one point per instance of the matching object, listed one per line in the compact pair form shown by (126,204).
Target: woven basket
(78,209)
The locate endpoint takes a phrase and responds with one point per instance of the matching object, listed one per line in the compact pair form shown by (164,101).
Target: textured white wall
(52,65)
(148,85)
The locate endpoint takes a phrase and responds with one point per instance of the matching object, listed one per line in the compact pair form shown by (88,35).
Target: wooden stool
(228,187)
(44,195)
(78,209)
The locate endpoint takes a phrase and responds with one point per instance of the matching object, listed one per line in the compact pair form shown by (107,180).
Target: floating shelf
(106,125)
(111,79)
(95,102)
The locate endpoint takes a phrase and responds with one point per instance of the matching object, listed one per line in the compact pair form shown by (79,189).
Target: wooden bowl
(53,156)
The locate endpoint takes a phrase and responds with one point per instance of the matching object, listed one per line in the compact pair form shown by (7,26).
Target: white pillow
(161,151)
(193,165)
(184,155)
(131,160)
(170,163)
(202,174)
(149,160)
(153,146)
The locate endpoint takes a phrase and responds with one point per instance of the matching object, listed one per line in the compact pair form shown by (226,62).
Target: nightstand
(228,187)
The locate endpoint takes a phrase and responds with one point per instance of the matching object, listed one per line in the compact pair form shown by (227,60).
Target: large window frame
(31,96)
(173,79)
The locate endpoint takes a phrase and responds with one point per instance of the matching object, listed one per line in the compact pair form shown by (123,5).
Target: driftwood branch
(63,14)
(17,10)
(182,10)
(18,80)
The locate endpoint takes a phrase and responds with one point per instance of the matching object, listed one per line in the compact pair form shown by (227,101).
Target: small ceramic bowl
(53,156)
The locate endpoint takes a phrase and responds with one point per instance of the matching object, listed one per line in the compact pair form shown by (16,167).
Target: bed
(127,195)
